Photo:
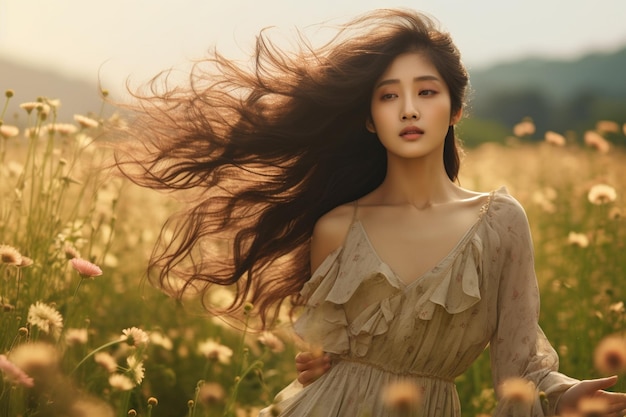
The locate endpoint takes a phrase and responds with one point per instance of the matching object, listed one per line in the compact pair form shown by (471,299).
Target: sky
(112,40)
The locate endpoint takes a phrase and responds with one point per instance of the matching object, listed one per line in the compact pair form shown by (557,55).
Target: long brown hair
(265,149)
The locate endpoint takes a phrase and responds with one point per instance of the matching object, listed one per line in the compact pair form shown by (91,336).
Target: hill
(604,74)
(557,95)
(77,96)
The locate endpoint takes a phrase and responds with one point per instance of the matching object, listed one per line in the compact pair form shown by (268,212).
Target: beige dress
(380,330)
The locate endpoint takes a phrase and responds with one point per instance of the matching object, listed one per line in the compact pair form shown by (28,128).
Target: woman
(332,174)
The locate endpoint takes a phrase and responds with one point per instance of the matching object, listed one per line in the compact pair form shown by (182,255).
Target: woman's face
(410,108)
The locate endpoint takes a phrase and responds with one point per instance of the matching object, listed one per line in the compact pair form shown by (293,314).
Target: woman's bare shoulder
(330,232)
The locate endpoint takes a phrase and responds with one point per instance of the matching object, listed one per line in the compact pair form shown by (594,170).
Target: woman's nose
(410,114)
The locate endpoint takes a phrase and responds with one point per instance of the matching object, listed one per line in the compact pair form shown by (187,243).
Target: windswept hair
(264,149)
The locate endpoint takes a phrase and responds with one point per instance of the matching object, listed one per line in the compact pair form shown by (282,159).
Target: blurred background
(560,63)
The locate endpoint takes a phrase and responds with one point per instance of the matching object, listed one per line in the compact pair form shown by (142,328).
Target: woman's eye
(427,92)
(389,96)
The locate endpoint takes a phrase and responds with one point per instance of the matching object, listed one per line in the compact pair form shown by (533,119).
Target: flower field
(82,333)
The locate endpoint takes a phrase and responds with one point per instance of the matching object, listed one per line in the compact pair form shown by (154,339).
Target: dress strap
(355,212)
(485,207)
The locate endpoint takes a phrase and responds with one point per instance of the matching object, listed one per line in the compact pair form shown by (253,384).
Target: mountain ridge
(601,72)
(77,96)
(558,80)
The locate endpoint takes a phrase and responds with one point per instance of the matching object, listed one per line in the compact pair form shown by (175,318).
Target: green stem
(93,352)
(72,308)
(4,109)
(77,287)
(30,168)
(125,402)
(242,341)
(192,408)
(233,398)
(17,291)
(3,150)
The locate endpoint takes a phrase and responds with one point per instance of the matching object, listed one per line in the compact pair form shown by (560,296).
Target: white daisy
(137,371)
(105,360)
(214,350)
(46,318)
(135,337)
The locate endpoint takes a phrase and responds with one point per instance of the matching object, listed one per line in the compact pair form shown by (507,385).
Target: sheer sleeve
(519,347)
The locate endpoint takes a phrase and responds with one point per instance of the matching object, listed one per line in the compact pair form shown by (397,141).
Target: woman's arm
(518,347)
(329,233)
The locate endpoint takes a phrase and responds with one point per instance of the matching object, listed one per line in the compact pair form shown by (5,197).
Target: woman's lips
(411,132)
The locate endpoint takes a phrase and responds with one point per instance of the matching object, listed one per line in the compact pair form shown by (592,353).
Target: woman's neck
(419,183)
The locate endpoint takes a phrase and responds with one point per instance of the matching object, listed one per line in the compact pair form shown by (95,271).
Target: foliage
(111,343)
(474,132)
(579,246)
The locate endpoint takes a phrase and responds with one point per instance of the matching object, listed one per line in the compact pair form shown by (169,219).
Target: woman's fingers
(311,367)
(615,402)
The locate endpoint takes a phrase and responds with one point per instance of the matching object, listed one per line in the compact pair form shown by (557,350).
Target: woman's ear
(369,125)
(456,117)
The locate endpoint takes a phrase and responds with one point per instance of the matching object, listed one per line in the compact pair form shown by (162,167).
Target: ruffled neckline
(453,283)
(395,278)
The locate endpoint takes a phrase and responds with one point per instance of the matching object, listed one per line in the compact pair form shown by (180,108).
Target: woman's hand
(310,366)
(615,401)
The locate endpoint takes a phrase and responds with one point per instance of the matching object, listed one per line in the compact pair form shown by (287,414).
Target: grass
(57,203)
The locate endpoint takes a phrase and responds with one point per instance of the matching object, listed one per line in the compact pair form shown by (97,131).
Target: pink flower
(596,141)
(610,355)
(524,128)
(7,131)
(403,397)
(555,139)
(518,390)
(121,382)
(86,268)
(85,121)
(593,406)
(105,360)
(607,126)
(272,342)
(14,373)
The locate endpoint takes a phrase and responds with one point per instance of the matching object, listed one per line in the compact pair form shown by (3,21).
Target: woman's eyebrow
(416,79)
